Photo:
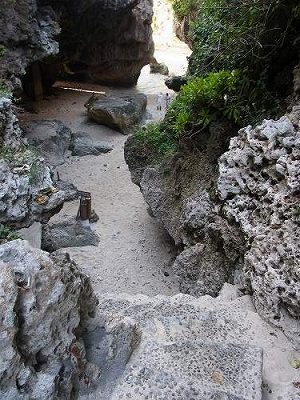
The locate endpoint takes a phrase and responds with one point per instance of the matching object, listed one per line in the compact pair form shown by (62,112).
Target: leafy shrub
(156,140)
(185,8)
(7,234)
(203,100)
(240,34)
(4,90)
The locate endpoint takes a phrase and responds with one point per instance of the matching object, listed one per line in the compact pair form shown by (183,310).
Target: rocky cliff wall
(27,34)
(106,42)
(44,303)
(236,220)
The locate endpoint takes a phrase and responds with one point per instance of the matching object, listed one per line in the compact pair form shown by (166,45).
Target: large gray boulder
(45,303)
(120,113)
(23,189)
(67,233)
(10,132)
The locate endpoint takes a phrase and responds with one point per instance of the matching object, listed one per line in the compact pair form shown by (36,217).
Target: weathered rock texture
(24,176)
(83,145)
(67,233)
(183,348)
(259,183)
(10,132)
(45,302)
(51,138)
(180,193)
(120,113)
(27,34)
(106,41)
(238,224)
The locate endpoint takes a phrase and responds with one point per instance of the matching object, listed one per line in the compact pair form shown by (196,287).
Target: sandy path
(134,253)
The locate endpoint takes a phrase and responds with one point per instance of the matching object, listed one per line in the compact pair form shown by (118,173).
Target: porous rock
(10,132)
(259,183)
(83,145)
(120,113)
(179,193)
(45,302)
(67,233)
(20,189)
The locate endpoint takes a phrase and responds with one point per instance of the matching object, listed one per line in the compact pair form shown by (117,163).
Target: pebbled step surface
(189,370)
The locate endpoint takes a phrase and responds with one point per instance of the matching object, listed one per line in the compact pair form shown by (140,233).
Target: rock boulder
(120,113)
(83,145)
(45,302)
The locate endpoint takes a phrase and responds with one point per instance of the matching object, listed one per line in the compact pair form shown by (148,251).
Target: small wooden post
(85,206)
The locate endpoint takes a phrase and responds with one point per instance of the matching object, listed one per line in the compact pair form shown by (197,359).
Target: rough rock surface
(121,113)
(185,348)
(21,189)
(10,132)
(106,41)
(259,183)
(67,233)
(158,68)
(45,303)
(28,34)
(179,193)
(83,145)
(52,140)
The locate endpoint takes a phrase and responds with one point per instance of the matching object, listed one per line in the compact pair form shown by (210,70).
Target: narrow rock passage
(134,253)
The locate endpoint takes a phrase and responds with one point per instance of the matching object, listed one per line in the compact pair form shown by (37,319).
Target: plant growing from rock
(7,234)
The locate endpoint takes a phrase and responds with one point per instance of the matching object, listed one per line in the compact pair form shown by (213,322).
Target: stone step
(192,370)
(182,317)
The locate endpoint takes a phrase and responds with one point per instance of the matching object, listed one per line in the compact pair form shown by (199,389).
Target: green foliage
(3,50)
(7,234)
(219,95)
(239,34)
(4,90)
(185,8)
(156,141)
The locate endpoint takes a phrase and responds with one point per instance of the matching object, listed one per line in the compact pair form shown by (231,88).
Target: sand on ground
(135,253)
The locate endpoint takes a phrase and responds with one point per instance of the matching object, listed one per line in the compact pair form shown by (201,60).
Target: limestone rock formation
(28,34)
(120,113)
(27,190)
(158,68)
(45,303)
(240,224)
(259,183)
(179,193)
(67,233)
(106,41)
(10,132)
(22,197)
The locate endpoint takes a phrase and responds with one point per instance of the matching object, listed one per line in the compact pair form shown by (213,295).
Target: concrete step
(192,370)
